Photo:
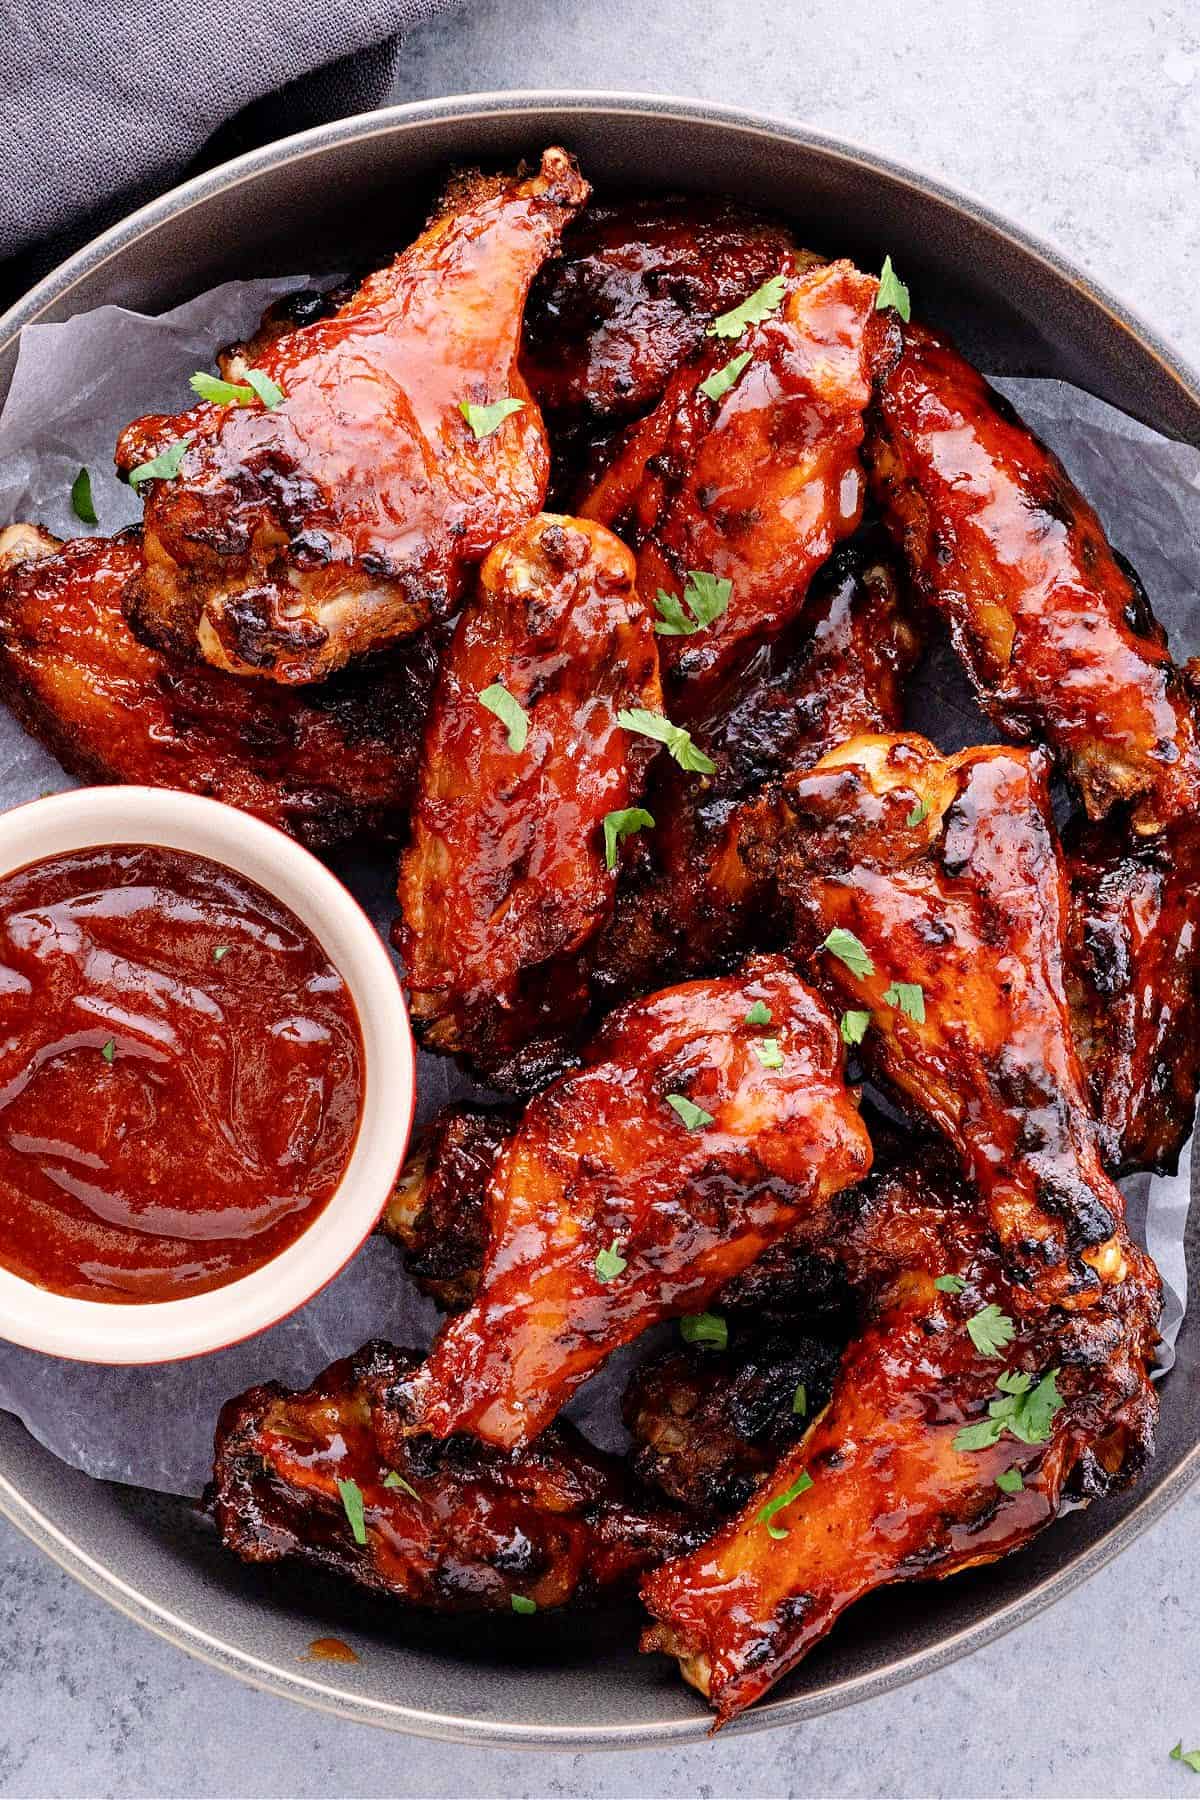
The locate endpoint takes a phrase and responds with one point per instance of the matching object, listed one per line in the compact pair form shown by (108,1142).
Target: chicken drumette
(347,508)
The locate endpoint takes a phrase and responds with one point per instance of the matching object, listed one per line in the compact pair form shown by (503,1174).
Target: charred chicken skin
(348,514)
(438,1209)
(452,1527)
(691,1138)
(1054,1404)
(1133,977)
(1055,632)
(323,764)
(930,894)
(756,488)
(687,901)
(507,876)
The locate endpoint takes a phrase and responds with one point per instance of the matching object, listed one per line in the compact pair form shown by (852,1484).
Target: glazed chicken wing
(299,534)
(506,877)
(438,1210)
(931,899)
(1133,977)
(691,1138)
(1055,632)
(1056,1404)
(450,1527)
(757,487)
(323,764)
(687,899)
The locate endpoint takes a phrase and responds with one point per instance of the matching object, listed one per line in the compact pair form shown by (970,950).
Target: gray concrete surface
(1082,118)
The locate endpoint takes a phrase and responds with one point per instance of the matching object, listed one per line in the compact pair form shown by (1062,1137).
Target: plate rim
(327,1696)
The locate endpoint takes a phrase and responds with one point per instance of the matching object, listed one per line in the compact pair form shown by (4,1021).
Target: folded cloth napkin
(104,103)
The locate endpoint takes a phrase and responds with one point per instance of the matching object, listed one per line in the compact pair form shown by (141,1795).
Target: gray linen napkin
(104,103)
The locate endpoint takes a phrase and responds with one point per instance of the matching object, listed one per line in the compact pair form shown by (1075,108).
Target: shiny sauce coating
(181,1074)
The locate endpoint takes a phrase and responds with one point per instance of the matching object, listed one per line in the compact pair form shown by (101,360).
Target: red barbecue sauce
(181,1074)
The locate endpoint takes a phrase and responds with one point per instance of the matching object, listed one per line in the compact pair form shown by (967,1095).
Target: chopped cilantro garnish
(1011,1481)
(721,380)
(483,420)
(919,813)
(394,1480)
(849,950)
(164,466)
(268,391)
(82,504)
(706,597)
(990,1330)
(909,998)
(1025,1411)
(622,824)
(109,1050)
(1190,1757)
(892,292)
(768,1052)
(759,1014)
(853,1026)
(509,711)
(352,1501)
(220,952)
(610,1263)
(800,1402)
(678,741)
(219,392)
(704,1328)
(521,1603)
(800,1486)
(950,1284)
(694,1117)
(756,307)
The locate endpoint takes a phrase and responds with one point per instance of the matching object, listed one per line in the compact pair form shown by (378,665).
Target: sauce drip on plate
(181,1074)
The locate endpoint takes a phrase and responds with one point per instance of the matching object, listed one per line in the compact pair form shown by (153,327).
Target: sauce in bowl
(181,1074)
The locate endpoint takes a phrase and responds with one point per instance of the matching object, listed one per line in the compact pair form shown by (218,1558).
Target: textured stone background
(1081,118)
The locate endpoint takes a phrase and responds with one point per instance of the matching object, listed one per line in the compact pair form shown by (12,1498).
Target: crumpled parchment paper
(75,386)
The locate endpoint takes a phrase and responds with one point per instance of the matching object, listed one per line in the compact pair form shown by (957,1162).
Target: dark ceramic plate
(336,197)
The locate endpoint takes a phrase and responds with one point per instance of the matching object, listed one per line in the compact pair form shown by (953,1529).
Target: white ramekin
(163,1331)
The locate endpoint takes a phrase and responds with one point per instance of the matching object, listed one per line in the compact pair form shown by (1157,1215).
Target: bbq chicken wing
(756,488)
(1055,632)
(1133,977)
(691,1138)
(507,876)
(449,1527)
(438,1210)
(687,900)
(298,534)
(957,1428)
(931,898)
(323,764)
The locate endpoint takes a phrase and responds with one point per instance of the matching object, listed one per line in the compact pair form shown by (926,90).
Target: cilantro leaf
(757,306)
(704,1328)
(694,1117)
(394,1480)
(800,1402)
(950,1284)
(892,292)
(981,1436)
(1011,1481)
(352,1502)
(909,998)
(919,813)
(768,1052)
(854,1026)
(622,824)
(483,420)
(268,391)
(705,595)
(678,741)
(509,711)
(720,382)
(1026,1412)
(521,1603)
(849,950)
(220,952)
(1190,1757)
(219,392)
(759,1014)
(990,1330)
(82,504)
(800,1486)
(164,466)
(610,1263)
(1034,1412)
(109,1050)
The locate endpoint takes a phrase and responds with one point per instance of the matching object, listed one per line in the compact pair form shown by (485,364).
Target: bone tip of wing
(25,542)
